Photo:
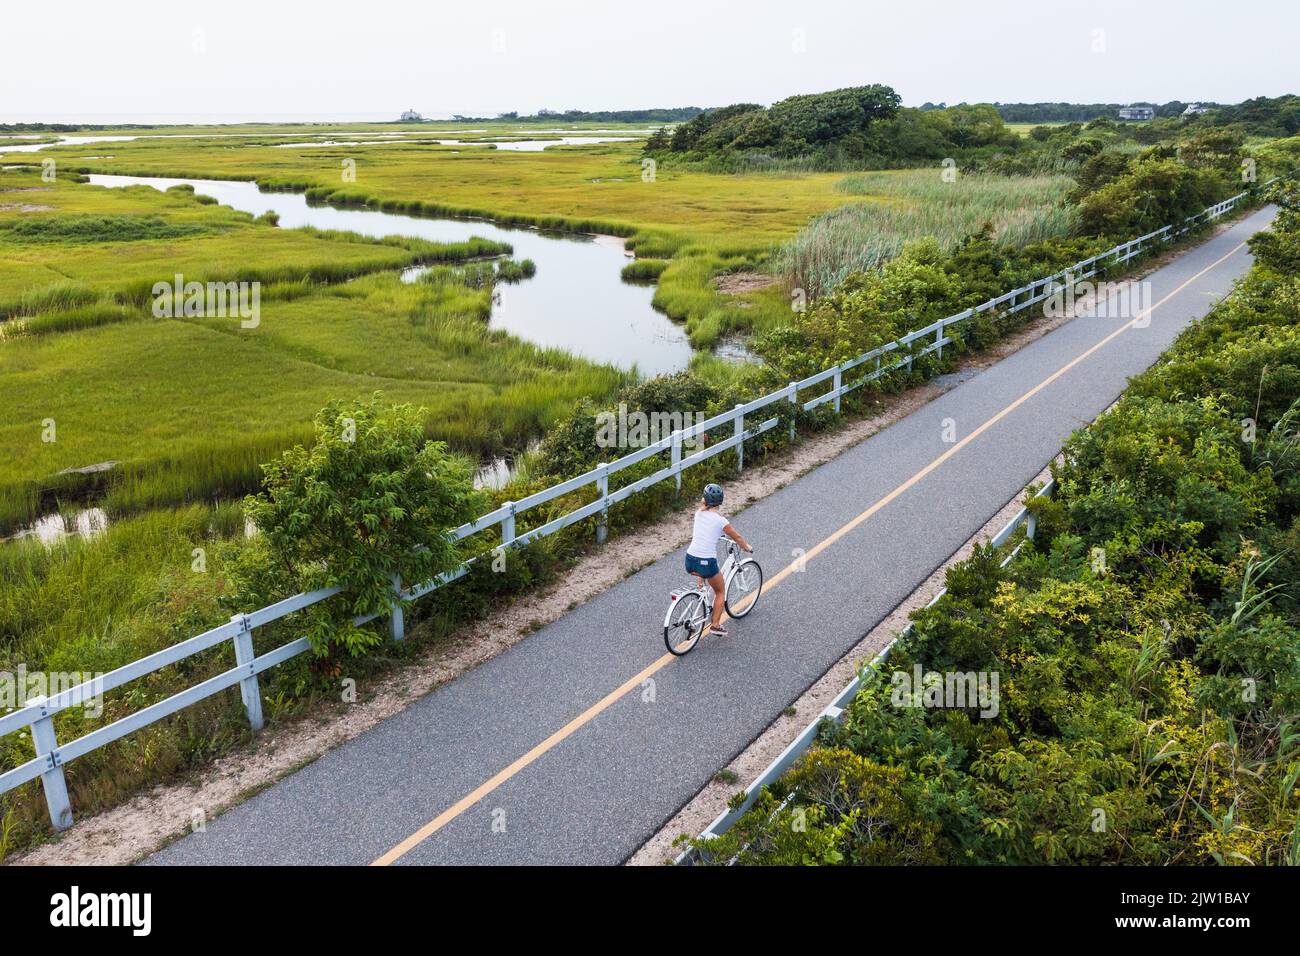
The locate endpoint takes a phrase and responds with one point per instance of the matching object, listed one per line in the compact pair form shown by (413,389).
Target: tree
(371,499)
(658,141)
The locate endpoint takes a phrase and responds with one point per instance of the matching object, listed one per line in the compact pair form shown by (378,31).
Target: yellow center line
(495,781)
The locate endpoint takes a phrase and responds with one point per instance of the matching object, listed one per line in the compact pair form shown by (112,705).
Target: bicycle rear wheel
(744,588)
(686,623)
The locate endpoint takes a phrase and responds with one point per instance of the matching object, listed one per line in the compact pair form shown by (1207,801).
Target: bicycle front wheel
(685,624)
(744,588)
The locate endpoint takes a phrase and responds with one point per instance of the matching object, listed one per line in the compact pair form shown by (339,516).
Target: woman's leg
(719,597)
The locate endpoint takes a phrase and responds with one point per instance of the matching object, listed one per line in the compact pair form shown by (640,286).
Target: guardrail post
(740,441)
(794,400)
(938,339)
(397,620)
(602,489)
(677,458)
(508,526)
(838,383)
(1031,525)
(248,689)
(52,780)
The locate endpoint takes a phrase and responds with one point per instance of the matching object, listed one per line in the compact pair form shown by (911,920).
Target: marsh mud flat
(577,302)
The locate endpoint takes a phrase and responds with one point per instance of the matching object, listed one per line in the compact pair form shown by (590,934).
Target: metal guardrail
(834,711)
(39,714)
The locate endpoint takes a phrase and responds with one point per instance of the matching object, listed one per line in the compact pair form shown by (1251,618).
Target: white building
(1137,113)
(412,116)
(1194,108)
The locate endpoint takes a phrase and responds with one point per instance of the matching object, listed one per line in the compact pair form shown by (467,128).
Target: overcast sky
(373,58)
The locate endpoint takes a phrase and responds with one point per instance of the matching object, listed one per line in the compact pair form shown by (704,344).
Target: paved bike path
(595,793)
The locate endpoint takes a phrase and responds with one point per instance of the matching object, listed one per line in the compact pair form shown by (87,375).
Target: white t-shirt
(708,528)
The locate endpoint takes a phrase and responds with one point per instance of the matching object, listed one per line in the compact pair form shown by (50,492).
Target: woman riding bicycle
(702,552)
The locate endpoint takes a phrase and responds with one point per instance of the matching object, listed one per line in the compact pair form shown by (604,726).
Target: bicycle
(690,609)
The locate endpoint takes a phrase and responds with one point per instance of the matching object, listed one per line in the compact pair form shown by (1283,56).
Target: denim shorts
(704,567)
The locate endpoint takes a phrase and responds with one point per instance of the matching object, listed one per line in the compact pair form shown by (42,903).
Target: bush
(576,444)
(920,286)
(1152,193)
(368,501)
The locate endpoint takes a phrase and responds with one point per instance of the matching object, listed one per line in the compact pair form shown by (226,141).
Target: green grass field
(1022,129)
(191,407)
(66,243)
(731,222)
(580,186)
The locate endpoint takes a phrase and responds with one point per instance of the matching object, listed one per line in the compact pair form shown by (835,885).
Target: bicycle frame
(703,595)
(728,568)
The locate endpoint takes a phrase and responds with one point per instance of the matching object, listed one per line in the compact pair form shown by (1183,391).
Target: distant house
(1194,108)
(412,116)
(1137,113)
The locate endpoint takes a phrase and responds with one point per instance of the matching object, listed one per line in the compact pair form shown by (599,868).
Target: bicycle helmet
(713,495)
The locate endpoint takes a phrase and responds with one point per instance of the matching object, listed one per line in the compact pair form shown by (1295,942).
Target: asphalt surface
(597,794)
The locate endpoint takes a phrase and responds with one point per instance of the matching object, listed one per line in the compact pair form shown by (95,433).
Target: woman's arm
(737,537)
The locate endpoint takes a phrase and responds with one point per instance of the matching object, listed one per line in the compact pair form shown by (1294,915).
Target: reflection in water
(494,474)
(497,472)
(55,527)
(576,302)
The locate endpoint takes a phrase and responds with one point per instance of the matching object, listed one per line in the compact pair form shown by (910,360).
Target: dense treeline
(1146,643)
(674,114)
(858,127)
(1261,115)
(1077,112)
(65,127)
(867,128)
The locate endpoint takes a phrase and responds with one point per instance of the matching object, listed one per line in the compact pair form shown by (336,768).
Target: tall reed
(902,206)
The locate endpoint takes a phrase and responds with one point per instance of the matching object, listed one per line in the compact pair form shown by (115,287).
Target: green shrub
(371,499)
(1154,192)
(578,444)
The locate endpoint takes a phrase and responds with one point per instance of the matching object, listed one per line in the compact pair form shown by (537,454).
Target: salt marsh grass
(910,204)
